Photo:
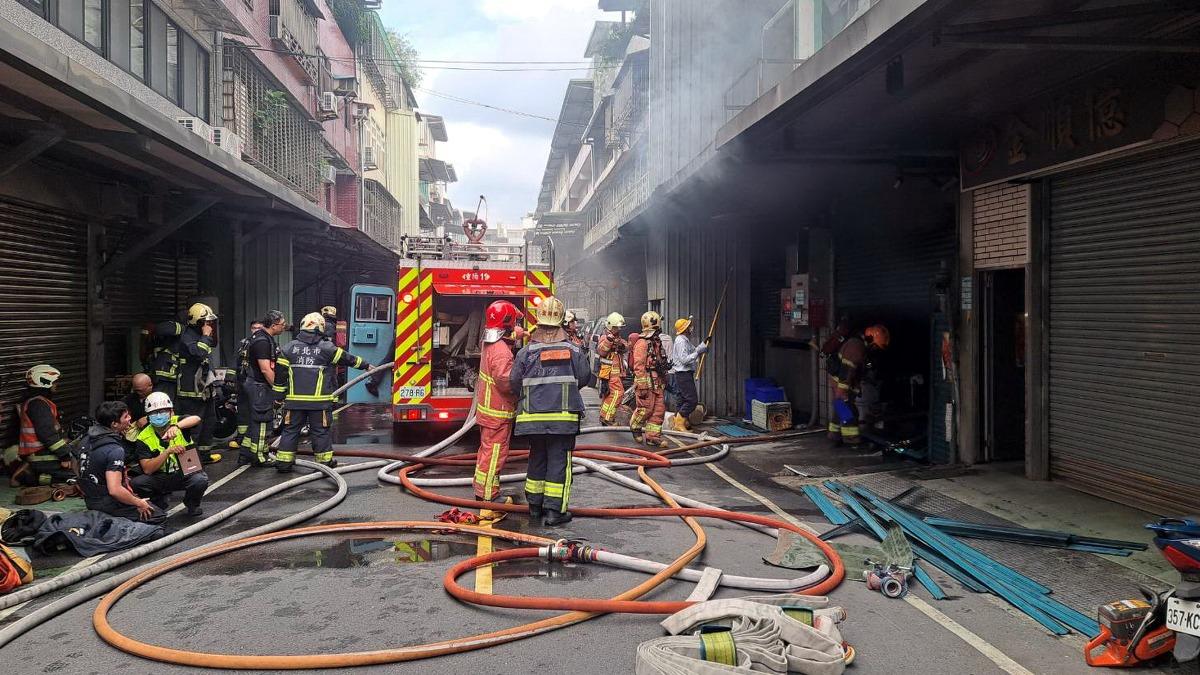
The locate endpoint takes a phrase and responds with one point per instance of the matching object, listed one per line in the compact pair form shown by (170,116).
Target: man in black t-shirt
(102,473)
(260,388)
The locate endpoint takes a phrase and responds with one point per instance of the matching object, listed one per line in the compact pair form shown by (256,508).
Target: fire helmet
(682,325)
(651,322)
(200,312)
(156,401)
(42,376)
(568,318)
(329,311)
(501,318)
(313,321)
(878,335)
(550,312)
(615,320)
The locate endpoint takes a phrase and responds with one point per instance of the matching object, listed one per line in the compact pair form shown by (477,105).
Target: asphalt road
(329,593)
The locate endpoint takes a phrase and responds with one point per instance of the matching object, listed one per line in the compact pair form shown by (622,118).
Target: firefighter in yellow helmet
(650,367)
(194,353)
(309,378)
(42,447)
(548,373)
(847,368)
(611,350)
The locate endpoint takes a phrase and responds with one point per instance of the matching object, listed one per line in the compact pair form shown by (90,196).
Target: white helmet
(157,401)
(42,376)
(615,320)
(313,321)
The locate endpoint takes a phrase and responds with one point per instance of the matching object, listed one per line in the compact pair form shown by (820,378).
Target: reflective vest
(548,375)
(29,445)
(310,371)
(150,438)
(493,403)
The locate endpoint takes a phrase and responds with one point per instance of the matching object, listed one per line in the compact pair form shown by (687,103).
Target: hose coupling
(570,550)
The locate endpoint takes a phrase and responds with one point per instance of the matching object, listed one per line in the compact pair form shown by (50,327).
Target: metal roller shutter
(1124,330)
(43,310)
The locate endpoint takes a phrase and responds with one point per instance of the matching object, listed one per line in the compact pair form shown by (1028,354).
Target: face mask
(160,419)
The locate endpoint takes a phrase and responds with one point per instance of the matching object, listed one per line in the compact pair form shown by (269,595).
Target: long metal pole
(713,326)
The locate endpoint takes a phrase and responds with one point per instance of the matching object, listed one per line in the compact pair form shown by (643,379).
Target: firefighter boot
(555,518)
(679,423)
(285,467)
(535,513)
(638,436)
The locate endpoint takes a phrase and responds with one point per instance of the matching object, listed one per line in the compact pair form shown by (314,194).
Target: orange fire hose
(619,603)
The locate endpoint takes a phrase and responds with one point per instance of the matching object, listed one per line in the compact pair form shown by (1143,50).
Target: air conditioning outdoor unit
(369,158)
(275,27)
(196,126)
(327,105)
(345,86)
(329,173)
(229,141)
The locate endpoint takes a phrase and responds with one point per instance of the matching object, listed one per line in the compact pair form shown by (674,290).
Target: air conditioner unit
(196,126)
(360,111)
(345,86)
(275,27)
(329,173)
(229,141)
(369,158)
(327,105)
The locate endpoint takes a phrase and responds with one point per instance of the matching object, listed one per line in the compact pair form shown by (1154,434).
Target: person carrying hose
(494,400)
(611,349)
(548,372)
(309,376)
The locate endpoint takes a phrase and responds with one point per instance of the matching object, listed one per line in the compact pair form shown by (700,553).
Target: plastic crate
(772,415)
(762,389)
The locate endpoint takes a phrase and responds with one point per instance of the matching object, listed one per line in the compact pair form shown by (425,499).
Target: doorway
(1003,333)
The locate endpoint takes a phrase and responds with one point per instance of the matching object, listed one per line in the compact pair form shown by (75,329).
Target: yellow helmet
(615,320)
(42,376)
(682,324)
(313,321)
(651,322)
(200,312)
(550,312)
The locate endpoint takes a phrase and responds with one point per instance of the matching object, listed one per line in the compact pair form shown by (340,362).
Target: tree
(407,58)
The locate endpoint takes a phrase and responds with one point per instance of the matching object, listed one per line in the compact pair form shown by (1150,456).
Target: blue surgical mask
(160,419)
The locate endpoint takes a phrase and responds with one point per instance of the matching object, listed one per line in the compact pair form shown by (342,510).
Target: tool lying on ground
(1131,632)
(889,579)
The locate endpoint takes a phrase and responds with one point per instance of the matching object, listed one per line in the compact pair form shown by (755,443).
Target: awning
(426,223)
(440,214)
(435,171)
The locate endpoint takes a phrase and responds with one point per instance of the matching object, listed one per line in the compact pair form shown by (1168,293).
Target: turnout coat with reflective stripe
(548,376)
(309,373)
(494,399)
(194,353)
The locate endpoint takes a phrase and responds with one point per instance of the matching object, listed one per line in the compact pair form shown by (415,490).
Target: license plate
(412,392)
(1183,616)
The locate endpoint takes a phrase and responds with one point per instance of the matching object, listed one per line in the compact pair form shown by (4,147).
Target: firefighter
(571,326)
(846,371)
(156,450)
(548,372)
(611,350)
(233,383)
(494,401)
(309,378)
(329,313)
(164,357)
(259,388)
(649,382)
(194,354)
(42,447)
(684,356)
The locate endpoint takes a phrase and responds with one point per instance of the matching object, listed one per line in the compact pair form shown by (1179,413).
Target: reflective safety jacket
(41,438)
(649,363)
(495,402)
(149,443)
(548,376)
(309,372)
(194,353)
(610,349)
(852,364)
(164,359)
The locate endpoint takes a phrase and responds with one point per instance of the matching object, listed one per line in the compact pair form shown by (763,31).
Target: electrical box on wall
(795,302)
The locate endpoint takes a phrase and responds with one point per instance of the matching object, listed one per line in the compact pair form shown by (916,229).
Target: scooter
(1133,632)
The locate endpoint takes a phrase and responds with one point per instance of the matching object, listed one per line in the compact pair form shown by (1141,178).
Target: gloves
(703,348)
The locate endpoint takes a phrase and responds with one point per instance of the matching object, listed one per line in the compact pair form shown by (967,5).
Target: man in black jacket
(103,475)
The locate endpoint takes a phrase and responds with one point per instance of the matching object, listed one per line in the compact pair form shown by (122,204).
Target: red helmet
(501,318)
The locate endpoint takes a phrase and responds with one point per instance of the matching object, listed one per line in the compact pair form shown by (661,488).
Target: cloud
(526,10)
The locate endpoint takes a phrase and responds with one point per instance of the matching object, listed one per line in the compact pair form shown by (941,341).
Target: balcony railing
(380,66)
(383,215)
(296,31)
(755,81)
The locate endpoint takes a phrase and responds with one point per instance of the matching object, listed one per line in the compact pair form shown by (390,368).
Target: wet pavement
(353,592)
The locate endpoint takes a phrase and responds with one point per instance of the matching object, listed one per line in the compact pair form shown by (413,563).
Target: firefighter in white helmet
(42,447)
(548,373)
(157,449)
(309,378)
(611,350)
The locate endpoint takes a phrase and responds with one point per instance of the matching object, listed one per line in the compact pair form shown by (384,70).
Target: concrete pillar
(969,394)
(95,316)
(1037,338)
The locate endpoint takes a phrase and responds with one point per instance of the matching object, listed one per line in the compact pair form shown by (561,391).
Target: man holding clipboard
(168,460)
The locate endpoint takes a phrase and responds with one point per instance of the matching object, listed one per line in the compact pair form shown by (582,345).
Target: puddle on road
(381,552)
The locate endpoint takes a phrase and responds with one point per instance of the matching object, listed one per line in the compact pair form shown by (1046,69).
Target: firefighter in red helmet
(847,367)
(495,401)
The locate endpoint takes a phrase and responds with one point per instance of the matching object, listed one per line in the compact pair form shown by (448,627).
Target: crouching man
(103,476)
(157,449)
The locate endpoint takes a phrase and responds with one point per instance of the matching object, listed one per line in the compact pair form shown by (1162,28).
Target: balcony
(756,81)
(382,215)
(293,26)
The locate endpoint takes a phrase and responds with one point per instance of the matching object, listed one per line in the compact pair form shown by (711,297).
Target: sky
(496,154)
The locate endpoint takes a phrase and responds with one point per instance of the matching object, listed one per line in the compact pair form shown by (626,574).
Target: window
(172,62)
(373,308)
(201,84)
(36,6)
(137,38)
(93,24)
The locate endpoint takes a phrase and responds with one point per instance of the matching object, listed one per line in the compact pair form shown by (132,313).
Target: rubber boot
(535,513)
(659,442)
(555,518)
(194,512)
(285,467)
(245,457)
(678,423)
(331,463)
(639,436)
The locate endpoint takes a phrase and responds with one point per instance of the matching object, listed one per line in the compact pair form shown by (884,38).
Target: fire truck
(443,289)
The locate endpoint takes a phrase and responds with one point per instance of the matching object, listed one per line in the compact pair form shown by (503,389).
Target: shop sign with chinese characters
(1106,114)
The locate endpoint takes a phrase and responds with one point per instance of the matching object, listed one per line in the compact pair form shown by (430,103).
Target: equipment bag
(14,570)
